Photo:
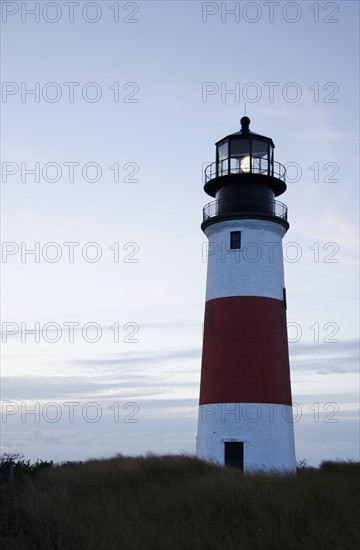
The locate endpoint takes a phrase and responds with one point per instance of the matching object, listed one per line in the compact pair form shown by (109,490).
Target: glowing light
(245,164)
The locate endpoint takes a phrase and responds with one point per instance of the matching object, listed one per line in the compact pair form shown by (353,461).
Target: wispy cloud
(320,358)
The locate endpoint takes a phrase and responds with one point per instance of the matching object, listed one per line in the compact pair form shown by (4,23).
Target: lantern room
(245,153)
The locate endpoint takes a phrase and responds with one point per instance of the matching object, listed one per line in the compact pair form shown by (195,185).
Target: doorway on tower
(234,454)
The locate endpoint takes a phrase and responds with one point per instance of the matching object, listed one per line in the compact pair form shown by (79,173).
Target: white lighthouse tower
(245,409)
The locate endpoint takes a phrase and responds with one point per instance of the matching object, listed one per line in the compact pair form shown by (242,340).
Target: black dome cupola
(245,179)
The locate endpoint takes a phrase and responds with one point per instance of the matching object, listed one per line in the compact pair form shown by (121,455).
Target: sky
(110,112)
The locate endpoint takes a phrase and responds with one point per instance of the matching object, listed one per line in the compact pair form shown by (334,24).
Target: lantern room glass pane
(223,160)
(260,154)
(223,151)
(240,156)
(260,148)
(239,148)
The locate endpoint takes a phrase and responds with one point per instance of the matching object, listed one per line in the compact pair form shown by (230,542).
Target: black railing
(248,206)
(245,165)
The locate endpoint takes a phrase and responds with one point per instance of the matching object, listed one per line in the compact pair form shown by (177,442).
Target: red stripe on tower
(245,352)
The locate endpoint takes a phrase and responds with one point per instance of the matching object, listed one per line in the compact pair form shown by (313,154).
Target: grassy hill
(177,503)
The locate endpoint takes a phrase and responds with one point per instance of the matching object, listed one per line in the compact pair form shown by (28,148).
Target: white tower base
(266,431)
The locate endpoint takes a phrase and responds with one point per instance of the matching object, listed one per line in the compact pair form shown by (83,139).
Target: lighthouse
(245,407)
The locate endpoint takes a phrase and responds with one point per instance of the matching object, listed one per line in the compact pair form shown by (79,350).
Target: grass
(178,503)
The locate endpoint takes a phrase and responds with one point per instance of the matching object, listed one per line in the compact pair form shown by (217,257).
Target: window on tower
(235,239)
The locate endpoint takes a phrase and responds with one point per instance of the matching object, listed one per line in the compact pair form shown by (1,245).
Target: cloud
(341,357)
(143,359)
(65,388)
(116,377)
(331,227)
